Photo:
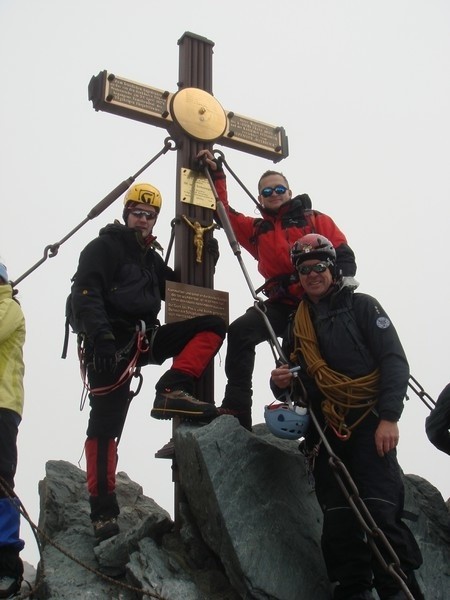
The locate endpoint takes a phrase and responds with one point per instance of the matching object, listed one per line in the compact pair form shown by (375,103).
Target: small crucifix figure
(199,232)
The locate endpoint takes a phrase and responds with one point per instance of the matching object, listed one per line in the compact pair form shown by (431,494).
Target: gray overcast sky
(362,88)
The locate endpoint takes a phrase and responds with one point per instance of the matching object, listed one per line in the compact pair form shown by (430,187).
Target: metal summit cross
(195,120)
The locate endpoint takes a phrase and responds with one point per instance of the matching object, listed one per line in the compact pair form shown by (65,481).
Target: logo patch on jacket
(383,322)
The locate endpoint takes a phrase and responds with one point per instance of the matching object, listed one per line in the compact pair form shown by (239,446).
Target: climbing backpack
(70,323)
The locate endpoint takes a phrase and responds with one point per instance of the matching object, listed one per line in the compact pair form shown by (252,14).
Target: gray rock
(255,509)
(248,527)
(430,524)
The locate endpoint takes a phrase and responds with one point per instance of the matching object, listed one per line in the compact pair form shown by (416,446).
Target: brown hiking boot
(167,451)
(178,403)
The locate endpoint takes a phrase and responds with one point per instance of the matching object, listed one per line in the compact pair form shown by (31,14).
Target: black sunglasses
(268,191)
(149,215)
(318,268)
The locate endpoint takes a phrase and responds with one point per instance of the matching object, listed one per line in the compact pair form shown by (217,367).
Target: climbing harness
(375,536)
(52,249)
(142,344)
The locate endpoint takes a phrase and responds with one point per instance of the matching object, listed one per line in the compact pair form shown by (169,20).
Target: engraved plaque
(255,137)
(128,93)
(130,99)
(195,189)
(184,301)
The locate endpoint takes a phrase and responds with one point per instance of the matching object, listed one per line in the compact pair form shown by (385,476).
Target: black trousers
(193,342)
(244,334)
(347,554)
(9,424)
(109,411)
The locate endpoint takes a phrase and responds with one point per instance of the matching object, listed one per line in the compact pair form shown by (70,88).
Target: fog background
(362,89)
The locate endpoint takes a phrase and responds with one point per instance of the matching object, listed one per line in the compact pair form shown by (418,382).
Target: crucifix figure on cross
(199,232)
(196,120)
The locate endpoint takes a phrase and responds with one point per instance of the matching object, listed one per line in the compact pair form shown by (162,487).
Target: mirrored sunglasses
(268,191)
(318,268)
(149,215)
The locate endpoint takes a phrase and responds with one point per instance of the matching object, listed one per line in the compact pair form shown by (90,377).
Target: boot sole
(167,413)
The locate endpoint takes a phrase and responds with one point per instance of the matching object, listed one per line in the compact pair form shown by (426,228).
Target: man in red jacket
(269,239)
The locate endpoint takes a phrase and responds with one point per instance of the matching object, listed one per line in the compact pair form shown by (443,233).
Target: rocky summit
(247,527)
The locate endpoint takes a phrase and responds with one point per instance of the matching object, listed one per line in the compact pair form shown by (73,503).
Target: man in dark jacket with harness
(269,240)
(355,373)
(116,297)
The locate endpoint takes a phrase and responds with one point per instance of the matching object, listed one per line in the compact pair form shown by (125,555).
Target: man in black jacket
(355,372)
(116,297)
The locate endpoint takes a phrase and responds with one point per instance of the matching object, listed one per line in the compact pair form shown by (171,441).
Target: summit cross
(195,120)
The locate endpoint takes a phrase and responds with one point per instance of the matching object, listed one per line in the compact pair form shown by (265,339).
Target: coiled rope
(342,393)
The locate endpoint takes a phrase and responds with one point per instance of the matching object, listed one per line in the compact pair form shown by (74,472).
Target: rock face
(248,527)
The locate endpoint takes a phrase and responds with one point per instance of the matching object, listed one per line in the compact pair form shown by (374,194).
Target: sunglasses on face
(149,215)
(318,268)
(268,191)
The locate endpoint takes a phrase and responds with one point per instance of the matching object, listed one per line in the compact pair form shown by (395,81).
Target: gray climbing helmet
(286,422)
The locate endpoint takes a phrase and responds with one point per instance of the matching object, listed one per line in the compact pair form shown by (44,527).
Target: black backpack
(70,323)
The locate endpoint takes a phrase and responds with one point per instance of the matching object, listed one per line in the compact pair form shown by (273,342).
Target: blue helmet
(287,422)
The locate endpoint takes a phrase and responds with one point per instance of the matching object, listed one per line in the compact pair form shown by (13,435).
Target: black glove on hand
(219,164)
(105,355)
(200,164)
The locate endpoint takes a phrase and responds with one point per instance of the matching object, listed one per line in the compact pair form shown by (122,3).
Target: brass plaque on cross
(195,189)
(184,301)
(127,98)
(242,130)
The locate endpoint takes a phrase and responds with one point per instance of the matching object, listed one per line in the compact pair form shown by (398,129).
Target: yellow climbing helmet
(144,193)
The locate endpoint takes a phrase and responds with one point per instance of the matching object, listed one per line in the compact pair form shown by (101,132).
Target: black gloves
(219,164)
(200,164)
(105,354)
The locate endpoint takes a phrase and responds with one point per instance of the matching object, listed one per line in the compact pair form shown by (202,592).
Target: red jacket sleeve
(243,226)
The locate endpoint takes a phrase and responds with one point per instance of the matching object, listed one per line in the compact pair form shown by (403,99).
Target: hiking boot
(9,585)
(105,529)
(167,451)
(243,416)
(178,403)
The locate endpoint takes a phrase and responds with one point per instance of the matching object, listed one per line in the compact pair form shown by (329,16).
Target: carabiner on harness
(140,342)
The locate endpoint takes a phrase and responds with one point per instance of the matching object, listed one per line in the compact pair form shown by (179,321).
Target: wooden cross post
(195,120)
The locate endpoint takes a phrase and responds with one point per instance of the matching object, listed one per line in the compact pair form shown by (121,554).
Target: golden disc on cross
(199,114)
